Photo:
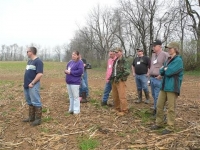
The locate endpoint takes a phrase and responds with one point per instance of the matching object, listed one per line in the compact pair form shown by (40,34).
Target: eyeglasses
(116,52)
(139,51)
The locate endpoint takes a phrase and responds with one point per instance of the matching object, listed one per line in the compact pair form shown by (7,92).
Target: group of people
(164,70)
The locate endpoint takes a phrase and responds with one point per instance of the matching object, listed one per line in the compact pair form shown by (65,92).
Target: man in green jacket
(172,73)
(120,72)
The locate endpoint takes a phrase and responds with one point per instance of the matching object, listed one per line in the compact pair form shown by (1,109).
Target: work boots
(84,97)
(147,97)
(38,116)
(139,97)
(31,114)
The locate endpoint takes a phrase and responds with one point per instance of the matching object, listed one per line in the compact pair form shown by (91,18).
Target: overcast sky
(44,22)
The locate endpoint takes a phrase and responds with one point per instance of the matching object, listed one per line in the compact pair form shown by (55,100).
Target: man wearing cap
(120,72)
(108,85)
(172,73)
(157,60)
(140,69)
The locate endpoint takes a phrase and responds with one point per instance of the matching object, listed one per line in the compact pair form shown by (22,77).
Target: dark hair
(33,50)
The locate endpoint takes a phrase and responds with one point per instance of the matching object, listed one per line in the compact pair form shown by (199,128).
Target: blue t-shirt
(32,69)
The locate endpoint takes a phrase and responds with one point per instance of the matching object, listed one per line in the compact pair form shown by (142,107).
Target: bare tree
(58,52)
(195,17)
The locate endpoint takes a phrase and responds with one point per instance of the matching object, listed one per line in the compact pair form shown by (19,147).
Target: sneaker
(165,131)
(70,112)
(155,127)
(146,102)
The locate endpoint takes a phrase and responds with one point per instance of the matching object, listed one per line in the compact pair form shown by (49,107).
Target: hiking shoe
(155,127)
(146,102)
(138,101)
(121,114)
(84,101)
(70,112)
(165,131)
(104,103)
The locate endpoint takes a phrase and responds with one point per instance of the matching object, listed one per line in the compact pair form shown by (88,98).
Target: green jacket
(122,70)
(172,73)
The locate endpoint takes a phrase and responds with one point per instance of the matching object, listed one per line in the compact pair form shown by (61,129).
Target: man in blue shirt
(32,76)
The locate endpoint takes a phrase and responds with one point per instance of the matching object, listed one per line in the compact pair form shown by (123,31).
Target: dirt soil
(62,131)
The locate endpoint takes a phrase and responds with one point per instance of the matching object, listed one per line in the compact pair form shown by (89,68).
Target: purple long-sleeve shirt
(76,71)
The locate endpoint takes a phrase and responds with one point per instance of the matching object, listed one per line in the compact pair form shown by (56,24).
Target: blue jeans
(83,87)
(74,102)
(141,82)
(155,89)
(32,95)
(84,84)
(85,76)
(107,89)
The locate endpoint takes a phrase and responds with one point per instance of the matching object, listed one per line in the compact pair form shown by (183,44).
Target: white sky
(44,22)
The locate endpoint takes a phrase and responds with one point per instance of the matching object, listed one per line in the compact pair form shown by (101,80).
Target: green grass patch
(121,134)
(13,109)
(99,92)
(44,110)
(6,83)
(134,131)
(87,143)
(95,102)
(144,115)
(193,73)
(45,130)
(13,65)
(47,119)
(4,113)
(67,114)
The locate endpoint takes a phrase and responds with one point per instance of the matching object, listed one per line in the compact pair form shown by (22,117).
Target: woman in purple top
(74,71)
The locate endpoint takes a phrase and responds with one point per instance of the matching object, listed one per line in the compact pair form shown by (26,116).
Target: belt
(153,76)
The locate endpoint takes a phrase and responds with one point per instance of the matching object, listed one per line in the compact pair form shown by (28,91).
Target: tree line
(134,24)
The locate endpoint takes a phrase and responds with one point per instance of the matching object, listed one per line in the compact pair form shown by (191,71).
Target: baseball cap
(157,42)
(139,49)
(173,45)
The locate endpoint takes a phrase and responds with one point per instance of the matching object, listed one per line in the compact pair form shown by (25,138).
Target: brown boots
(84,97)
(140,97)
(35,114)
(31,114)
(38,115)
(147,97)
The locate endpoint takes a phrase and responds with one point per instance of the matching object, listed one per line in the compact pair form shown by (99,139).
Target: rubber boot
(84,99)
(31,114)
(38,116)
(147,97)
(139,97)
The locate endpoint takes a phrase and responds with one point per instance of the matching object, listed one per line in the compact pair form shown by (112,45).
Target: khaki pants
(119,96)
(170,98)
